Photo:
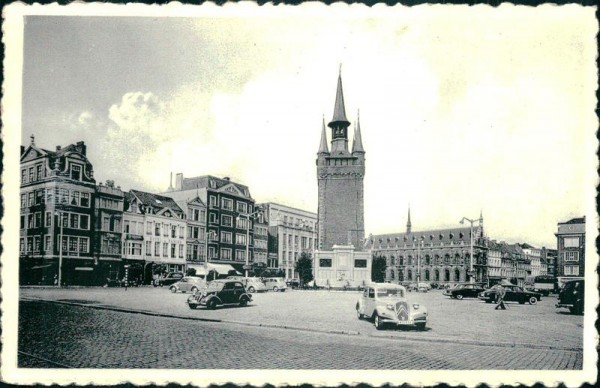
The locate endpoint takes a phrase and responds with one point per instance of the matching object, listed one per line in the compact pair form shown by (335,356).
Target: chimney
(80,146)
(58,148)
(179,181)
(110,183)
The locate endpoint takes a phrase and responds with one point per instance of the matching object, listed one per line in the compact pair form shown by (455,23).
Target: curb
(286,327)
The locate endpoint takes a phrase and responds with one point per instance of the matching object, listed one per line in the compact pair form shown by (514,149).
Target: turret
(339,123)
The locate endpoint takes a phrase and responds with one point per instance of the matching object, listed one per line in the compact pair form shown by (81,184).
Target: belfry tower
(340,176)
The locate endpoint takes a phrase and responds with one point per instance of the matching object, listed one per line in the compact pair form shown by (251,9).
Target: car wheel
(251,289)
(420,326)
(243,302)
(377,322)
(459,296)
(173,289)
(192,306)
(212,304)
(275,289)
(194,289)
(533,300)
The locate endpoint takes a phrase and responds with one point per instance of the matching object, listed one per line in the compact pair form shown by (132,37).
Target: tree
(304,267)
(378,269)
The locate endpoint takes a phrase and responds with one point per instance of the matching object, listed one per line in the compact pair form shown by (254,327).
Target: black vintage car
(464,291)
(572,296)
(168,279)
(220,292)
(512,294)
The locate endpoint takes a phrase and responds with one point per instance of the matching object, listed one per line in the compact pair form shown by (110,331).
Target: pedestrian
(500,298)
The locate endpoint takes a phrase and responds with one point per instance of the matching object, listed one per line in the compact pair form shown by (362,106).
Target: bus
(543,283)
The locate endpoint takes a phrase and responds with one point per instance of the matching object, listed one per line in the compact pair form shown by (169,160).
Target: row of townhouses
(93,231)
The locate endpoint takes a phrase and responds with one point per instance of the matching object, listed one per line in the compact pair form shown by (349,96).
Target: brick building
(570,244)
(57,198)
(340,259)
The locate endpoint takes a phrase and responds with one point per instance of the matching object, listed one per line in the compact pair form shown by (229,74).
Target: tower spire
(408,224)
(357,143)
(323,148)
(339,123)
(339,109)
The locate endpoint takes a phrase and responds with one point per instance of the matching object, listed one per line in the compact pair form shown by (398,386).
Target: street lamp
(471,274)
(247,216)
(60,220)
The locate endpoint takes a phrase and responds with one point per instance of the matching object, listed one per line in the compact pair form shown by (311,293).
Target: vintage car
(572,296)
(513,293)
(254,285)
(275,284)
(464,291)
(188,284)
(386,304)
(168,279)
(220,292)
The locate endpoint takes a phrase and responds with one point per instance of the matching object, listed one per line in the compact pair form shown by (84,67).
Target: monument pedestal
(341,267)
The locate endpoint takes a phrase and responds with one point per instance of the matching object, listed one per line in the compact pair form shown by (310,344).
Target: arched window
(401,275)
(401,260)
(456,275)
(427,274)
(410,260)
(427,260)
(436,275)
(410,275)
(446,275)
(392,275)
(446,258)
(392,261)
(457,259)
(437,260)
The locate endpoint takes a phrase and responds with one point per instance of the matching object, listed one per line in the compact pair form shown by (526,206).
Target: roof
(436,235)
(580,220)
(357,143)
(154,200)
(339,110)
(323,148)
(203,182)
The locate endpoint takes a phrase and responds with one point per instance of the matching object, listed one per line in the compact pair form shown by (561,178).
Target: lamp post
(471,274)
(248,216)
(60,237)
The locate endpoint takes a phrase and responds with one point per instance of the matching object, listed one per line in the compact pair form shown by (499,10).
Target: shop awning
(221,269)
(41,266)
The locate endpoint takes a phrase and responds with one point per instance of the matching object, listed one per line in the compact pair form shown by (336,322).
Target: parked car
(168,279)
(464,291)
(513,293)
(275,284)
(220,292)
(572,296)
(292,283)
(418,287)
(254,285)
(188,283)
(387,304)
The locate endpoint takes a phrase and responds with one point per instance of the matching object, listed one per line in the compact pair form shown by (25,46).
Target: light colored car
(188,284)
(275,284)
(386,304)
(254,285)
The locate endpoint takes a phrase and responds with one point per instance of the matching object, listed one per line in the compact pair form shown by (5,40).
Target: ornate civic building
(437,255)
(340,259)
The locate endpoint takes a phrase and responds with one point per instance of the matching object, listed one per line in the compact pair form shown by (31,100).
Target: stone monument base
(342,267)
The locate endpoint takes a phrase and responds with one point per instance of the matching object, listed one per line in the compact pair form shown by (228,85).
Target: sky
(462,109)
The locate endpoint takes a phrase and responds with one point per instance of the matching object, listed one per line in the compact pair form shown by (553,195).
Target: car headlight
(416,306)
(390,307)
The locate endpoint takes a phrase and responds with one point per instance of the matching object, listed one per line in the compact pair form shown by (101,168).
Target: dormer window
(76,172)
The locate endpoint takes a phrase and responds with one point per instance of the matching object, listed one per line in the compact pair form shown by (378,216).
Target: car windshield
(383,292)
(215,286)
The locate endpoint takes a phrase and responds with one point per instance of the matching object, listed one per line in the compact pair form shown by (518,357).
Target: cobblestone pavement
(62,335)
(454,321)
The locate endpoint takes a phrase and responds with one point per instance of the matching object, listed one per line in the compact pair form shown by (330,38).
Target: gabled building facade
(154,228)
(108,225)
(230,217)
(57,208)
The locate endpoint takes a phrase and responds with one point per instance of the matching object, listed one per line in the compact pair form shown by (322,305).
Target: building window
(240,239)
(38,220)
(571,256)
(165,228)
(325,263)
(173,231)
(22,245)
(212,218)
(30,244)
(225,254)
(571,270)
(241,223)
(23,201)
(165,252)
(24,176)
(227,204)
(242,207)
(75,172)
(181,251)
(212,201)
(31,176)
(226,220)
(240,255)
(30,197)
(212,252)
(148,248)
(571,242)
(48,219)
(36,243)
(226,237)
(173,250)
(47,243)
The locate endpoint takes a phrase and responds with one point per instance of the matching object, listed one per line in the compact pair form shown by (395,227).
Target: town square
(400,197)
